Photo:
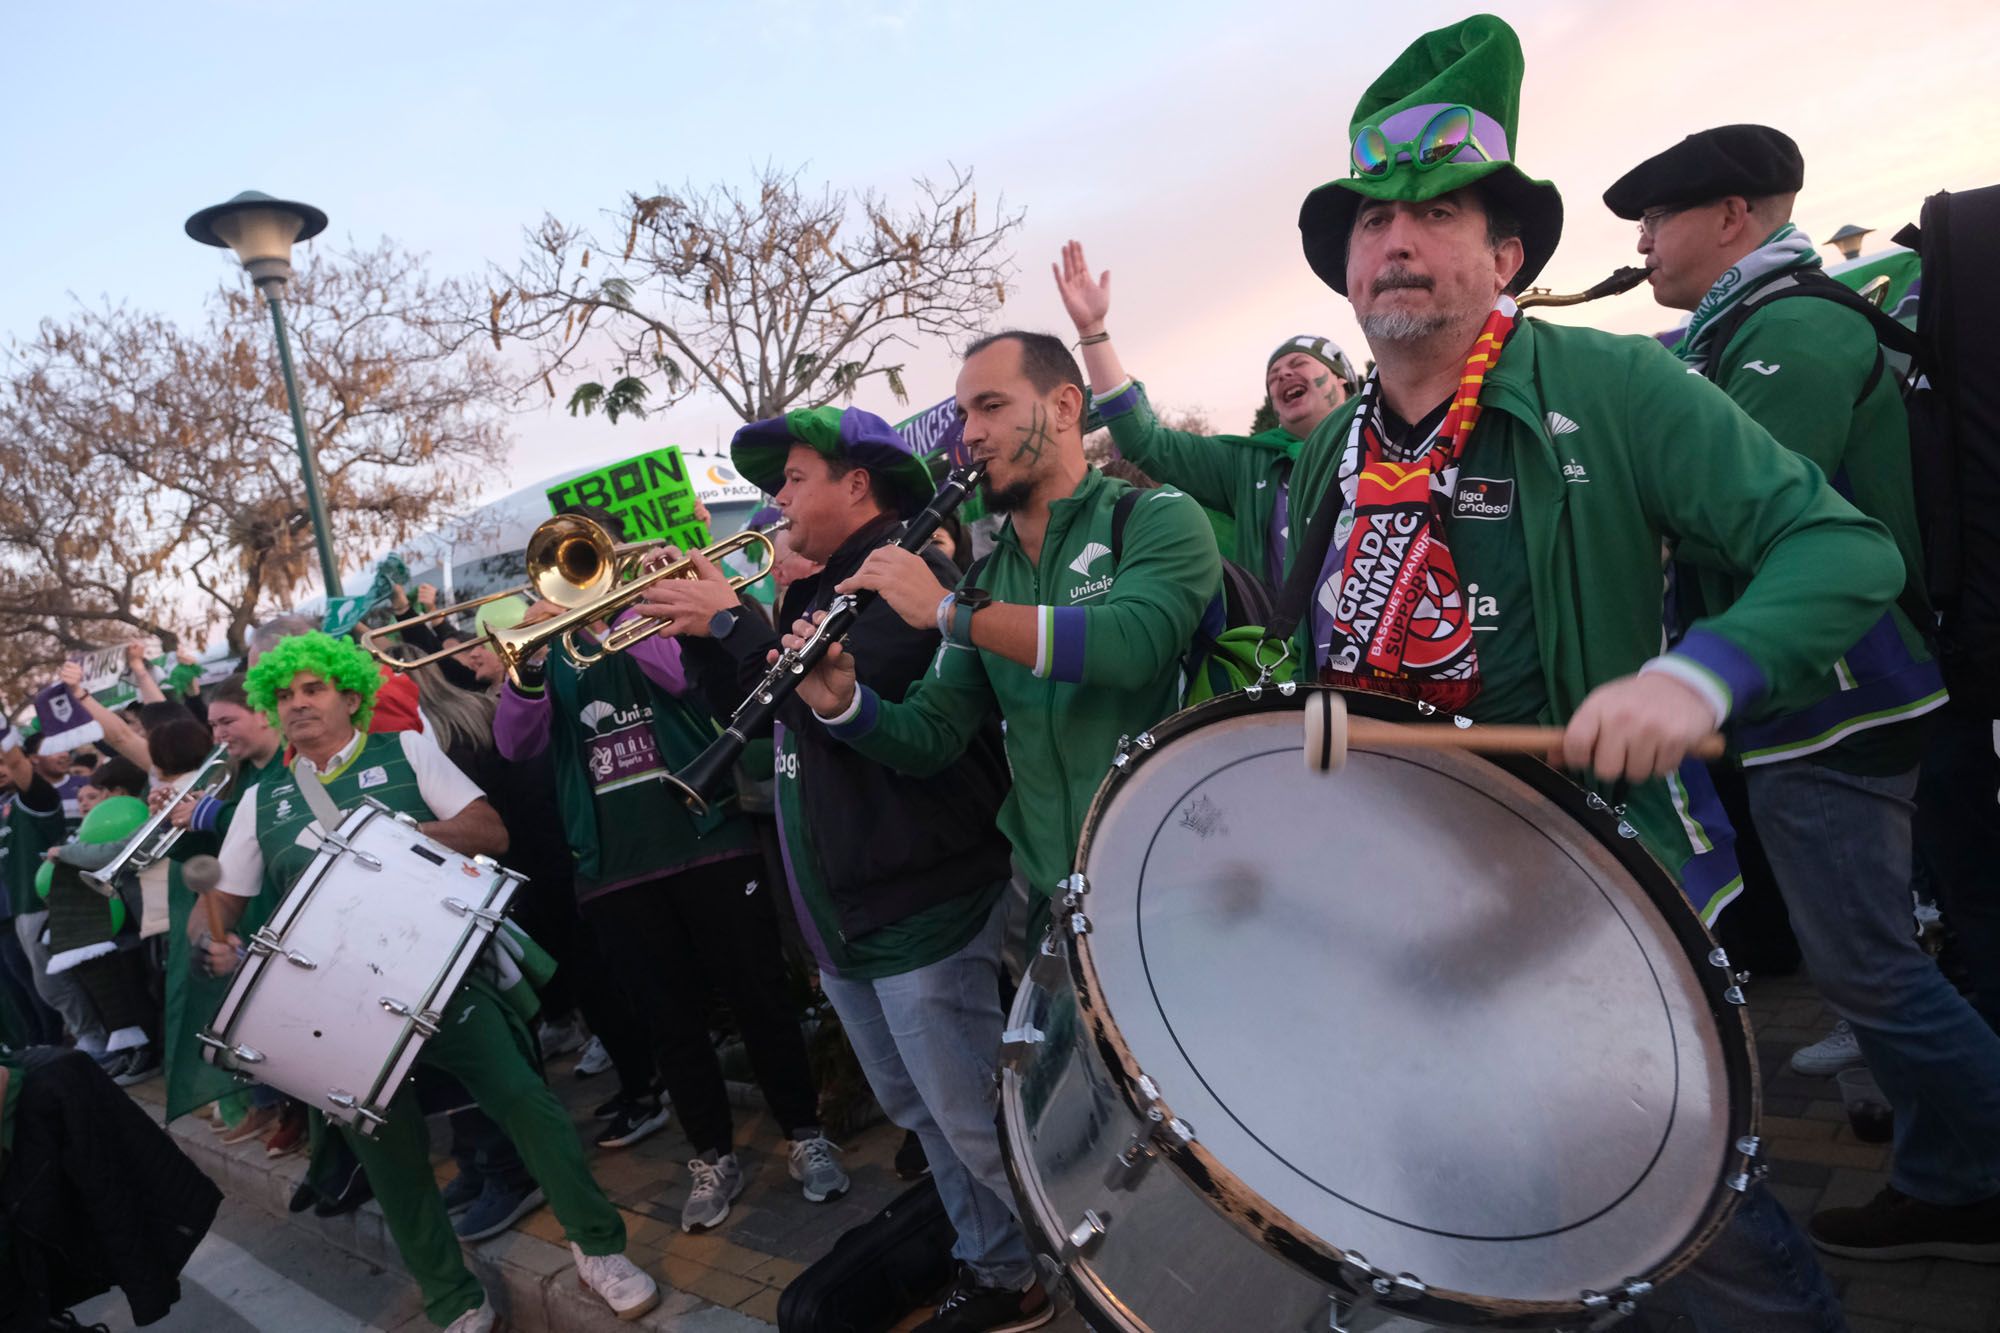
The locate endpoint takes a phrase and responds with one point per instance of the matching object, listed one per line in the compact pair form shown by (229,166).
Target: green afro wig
(341,663)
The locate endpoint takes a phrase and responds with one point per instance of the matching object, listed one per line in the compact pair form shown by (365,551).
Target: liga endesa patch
(1483,497)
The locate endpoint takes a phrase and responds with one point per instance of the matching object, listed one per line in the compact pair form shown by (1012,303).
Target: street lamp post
(262,230)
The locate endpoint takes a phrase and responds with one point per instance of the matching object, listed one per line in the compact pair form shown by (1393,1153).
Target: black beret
(1747,160)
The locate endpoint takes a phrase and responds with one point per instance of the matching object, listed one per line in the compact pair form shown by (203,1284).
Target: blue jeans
(1840,846)
(928,1041)
(1760,1273)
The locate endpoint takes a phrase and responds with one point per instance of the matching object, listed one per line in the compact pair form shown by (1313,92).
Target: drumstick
(1329,732)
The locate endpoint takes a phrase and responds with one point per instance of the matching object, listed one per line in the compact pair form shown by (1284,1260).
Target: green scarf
(1783,251)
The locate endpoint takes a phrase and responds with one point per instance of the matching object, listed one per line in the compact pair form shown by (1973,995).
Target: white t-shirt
(444,787)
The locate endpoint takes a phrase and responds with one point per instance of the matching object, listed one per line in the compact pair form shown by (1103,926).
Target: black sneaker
(611,1108)
(634,1121)
(356,1192)
(911,1164)
(141,1063)
(972,1308)
(1893,1226)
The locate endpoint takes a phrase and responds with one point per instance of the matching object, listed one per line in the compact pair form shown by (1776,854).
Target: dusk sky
(1176,140)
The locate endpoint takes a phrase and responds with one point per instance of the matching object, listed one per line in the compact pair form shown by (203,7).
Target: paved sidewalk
(728,1281)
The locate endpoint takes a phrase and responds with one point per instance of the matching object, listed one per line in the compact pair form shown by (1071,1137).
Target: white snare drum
(1429,1040)
(348,978)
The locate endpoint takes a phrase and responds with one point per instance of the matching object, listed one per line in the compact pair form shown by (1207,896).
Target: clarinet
(753,717)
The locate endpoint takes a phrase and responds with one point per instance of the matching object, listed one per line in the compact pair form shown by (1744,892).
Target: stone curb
(533,1282)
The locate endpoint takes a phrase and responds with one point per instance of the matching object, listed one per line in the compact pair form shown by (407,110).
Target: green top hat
(1439,119)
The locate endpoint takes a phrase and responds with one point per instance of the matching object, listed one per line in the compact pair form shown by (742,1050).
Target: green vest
(378,769)
(615,733)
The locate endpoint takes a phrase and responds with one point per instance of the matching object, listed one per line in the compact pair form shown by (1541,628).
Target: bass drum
(1426,1041)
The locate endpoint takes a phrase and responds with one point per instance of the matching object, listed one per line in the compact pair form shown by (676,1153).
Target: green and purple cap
(859,438)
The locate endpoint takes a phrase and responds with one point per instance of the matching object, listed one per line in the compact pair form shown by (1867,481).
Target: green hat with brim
(1475,64)
(860,438)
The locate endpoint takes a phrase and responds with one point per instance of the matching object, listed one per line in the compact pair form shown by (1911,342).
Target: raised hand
(1087,299)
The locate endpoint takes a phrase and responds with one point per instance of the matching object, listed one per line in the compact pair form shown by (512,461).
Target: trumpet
(570,562)
(158,834)
(1622,280)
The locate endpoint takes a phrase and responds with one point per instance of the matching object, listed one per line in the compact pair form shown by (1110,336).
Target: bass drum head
(1412,1010)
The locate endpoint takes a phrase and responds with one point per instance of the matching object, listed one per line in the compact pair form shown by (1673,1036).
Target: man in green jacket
(1483,527)
(1243,481)
(1073,645)
(1831,780)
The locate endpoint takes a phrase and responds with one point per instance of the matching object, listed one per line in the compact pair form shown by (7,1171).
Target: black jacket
(890,845)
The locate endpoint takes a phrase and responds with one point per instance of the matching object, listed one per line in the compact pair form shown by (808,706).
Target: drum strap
(325,813)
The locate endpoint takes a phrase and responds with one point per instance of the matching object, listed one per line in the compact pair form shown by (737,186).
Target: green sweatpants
(483,1045)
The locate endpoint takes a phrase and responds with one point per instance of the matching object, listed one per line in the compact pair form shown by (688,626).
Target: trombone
(157,834)
(573,563)
(570,562)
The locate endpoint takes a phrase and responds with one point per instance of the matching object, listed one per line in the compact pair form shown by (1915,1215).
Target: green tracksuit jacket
(1241,476)
(1797,367)
(1620,449)
(1110,660)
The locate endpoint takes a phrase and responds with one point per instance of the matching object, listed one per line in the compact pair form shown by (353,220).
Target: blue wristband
(944,610)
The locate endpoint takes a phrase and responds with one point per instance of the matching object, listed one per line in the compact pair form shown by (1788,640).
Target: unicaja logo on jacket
(1091,553)
(1562,425)
(597,716)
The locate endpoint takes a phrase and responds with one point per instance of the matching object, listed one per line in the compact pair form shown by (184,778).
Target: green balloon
(45,878)
(117,915)
(114,819)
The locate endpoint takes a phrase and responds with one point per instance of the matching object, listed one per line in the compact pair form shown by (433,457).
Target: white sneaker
(561,1038)
(714,1184)
(1836,1051)
(481,1320)
(594,1060)
(814,1168)
(624,1286)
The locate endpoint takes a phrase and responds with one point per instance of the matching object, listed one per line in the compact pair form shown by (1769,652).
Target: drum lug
(1462,723)
(1718,957)
(1085,1235)
(340,844)
(1735,995)
(1425,709)
(424,1021)
(1131,1162)
(1362,1310)
(1743,1180)
(1079,924)
(1615,1306)
(459,907)
(346,1102)
(405,819)
(249,1055)
(1749,1145)
(1128,745)
(262,941)
(1017,1044)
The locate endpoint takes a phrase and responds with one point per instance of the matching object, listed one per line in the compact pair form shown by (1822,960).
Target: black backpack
(1951,395)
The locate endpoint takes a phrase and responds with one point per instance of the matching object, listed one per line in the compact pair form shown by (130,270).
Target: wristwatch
(964,603)
(721,623)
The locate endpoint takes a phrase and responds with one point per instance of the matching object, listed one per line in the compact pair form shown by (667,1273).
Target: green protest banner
(650,495)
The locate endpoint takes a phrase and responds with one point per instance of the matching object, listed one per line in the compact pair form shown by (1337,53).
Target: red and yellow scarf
(1400,619)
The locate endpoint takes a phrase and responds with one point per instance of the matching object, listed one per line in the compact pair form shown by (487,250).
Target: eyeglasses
(1650,220)
(1444,137)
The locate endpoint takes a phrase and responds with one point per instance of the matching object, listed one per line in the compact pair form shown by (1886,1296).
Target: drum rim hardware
(1356,1287)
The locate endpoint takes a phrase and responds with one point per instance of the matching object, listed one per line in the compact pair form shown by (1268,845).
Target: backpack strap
(1811,282)
(1121,512)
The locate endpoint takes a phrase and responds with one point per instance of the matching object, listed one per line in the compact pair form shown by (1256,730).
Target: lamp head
(261,230)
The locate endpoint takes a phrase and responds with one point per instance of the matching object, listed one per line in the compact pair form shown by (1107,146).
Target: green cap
(1476,64)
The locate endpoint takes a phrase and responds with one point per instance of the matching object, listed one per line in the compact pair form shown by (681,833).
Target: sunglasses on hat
(1443,138)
